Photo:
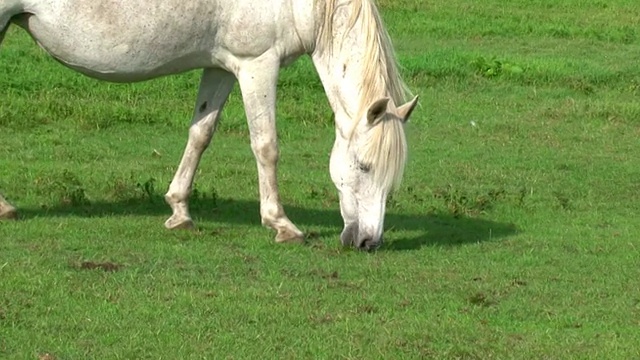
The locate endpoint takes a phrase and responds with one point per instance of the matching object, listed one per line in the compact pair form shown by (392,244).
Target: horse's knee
(200,136)
(266,151)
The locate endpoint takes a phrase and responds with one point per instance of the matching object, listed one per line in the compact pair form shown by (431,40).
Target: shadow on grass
(435,229)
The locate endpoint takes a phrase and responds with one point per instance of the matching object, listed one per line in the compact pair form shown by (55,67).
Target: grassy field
(515,234)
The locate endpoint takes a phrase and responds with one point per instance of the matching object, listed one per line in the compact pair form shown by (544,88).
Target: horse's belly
(119,58)
(134,40)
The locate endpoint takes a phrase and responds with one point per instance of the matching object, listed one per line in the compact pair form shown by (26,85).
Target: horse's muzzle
(351,236)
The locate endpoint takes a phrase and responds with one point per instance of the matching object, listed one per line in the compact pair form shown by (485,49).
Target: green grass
(514,234)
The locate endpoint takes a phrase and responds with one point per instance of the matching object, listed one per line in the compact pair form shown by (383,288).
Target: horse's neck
(340,67)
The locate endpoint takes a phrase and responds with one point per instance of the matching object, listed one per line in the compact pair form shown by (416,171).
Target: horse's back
(130,40)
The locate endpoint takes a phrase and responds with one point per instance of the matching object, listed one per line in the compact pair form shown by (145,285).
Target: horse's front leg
(7,211)
(257,79)
(215,87)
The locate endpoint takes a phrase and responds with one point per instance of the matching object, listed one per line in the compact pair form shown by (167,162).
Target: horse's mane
(386,150)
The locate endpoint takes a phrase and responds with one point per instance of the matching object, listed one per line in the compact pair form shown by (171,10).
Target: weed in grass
(459,203)
(563,200)
(494,67)
(130,189)
(147,188)
(63,188)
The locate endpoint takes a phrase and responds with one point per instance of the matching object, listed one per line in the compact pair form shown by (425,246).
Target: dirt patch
(46,356)
(482,299)
(324,274)
(367,309)
(104,266)
(322,319)
(315,273)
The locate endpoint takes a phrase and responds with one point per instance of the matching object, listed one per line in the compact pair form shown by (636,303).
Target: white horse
(248,41)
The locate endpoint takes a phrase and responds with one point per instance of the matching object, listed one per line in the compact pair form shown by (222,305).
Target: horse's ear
(377,110)
(405,110)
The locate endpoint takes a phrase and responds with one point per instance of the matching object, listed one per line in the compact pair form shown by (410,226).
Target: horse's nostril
(368,244)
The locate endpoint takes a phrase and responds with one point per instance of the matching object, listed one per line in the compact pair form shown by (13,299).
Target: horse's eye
(365,168)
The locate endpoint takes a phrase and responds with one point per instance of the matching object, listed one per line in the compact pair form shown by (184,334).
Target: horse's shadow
(434,229)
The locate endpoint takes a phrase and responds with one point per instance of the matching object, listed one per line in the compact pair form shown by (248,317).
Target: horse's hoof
(289,237)
(8,213)
(179,224)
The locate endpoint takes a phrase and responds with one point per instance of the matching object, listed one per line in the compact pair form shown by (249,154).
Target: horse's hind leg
(7,211)
(215,87)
